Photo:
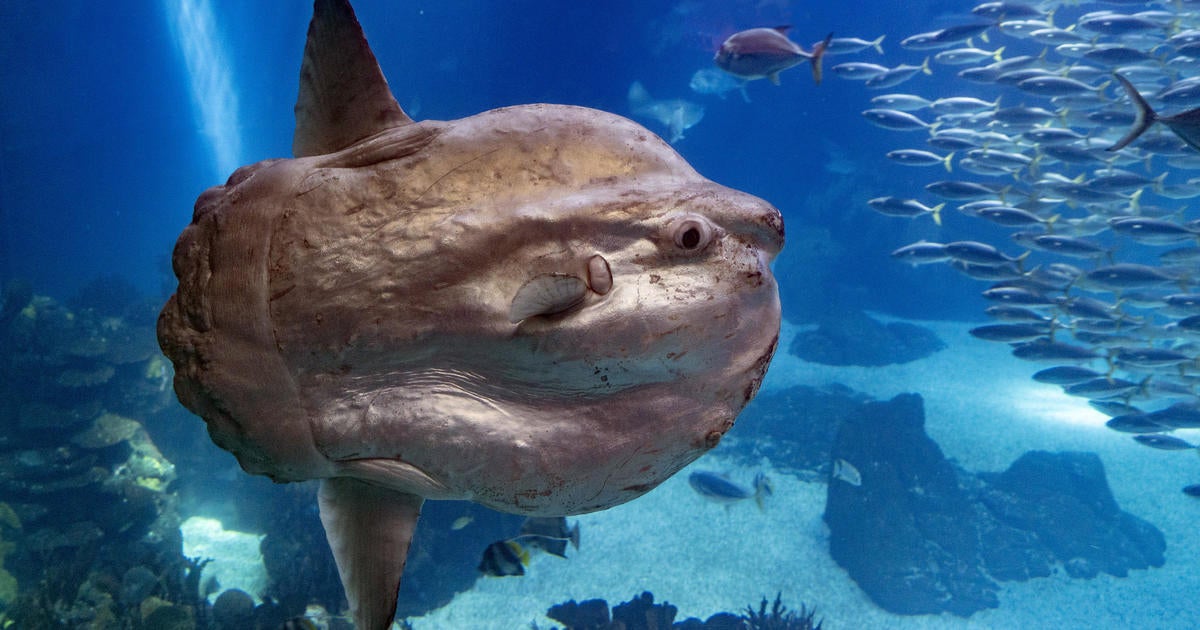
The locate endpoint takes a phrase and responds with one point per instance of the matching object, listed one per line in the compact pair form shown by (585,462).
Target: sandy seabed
(981,408)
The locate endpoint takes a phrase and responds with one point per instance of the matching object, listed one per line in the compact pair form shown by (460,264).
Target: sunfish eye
(692,233)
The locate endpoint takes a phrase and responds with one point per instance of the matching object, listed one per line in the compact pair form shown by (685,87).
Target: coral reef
(641,613)
(89,529)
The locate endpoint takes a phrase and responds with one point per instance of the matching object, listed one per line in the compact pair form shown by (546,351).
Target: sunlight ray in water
(1050,403)
(208,67)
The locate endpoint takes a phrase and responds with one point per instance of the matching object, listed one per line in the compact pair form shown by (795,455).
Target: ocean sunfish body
(542,309)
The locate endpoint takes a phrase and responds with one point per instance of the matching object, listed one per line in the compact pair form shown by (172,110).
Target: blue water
(106,144)
(115,116)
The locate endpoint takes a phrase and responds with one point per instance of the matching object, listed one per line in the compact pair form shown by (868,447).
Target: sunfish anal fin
(343,95)
(369,529)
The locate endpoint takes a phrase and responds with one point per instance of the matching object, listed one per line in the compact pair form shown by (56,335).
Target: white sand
(981,408)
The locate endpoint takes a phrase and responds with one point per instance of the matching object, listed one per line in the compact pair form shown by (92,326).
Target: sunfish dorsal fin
(343,95)
(369,529)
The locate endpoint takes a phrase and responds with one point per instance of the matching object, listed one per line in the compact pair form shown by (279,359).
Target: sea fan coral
(780,618)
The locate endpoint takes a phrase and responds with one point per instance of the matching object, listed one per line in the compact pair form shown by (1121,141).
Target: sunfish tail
(1146,115)
(369,529)
(818,52)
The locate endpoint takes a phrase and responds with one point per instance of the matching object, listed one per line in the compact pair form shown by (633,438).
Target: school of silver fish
(1069,135)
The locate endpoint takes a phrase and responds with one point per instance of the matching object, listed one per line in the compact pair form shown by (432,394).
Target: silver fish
(762,53)
(1163,442)
(1186,124)
(845,471)
(345,315)
(720,489)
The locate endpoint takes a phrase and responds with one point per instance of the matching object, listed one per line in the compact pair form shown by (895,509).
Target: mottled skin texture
(347,315)
(364,331)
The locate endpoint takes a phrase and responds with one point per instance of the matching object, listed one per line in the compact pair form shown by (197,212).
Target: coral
(17,295)
(105,431)
(137,584)
(585,615)
(169,617)
(641,613)
(89,524)
(90,377)
(8,588)
(780,618)
(9,524)
(8,518)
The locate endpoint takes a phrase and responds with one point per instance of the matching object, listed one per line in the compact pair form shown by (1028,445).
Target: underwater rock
(17,295)
(794,428)
(167,616)
(234,609)
(854,338)
(137,584)
(907,535)
(1064,500)
(922,536)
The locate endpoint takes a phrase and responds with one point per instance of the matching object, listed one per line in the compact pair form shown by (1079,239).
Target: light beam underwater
(213,96)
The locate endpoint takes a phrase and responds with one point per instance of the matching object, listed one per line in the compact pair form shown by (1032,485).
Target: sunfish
(543,309)
(676,114)
(759,53)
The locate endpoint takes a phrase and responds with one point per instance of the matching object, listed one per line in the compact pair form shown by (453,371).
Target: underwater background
(990,500)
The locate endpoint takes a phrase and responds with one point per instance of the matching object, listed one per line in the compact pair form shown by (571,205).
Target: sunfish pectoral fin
(343,95)
(369,529)
(546,294)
